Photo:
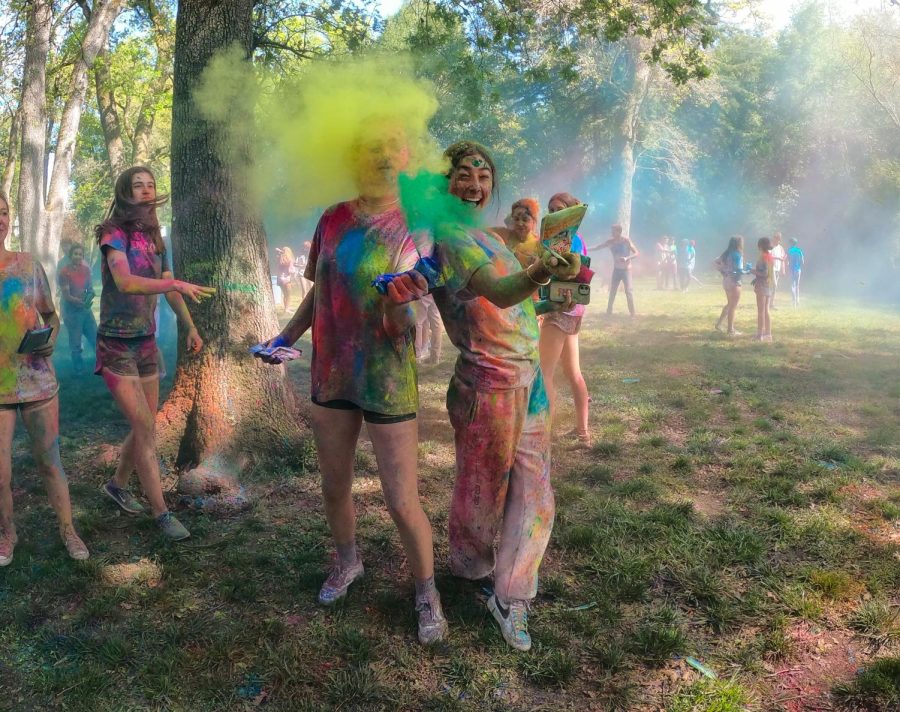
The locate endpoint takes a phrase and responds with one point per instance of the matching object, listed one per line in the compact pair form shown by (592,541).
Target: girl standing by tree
(134,269)
(28,385)
(287,271)
(731,264)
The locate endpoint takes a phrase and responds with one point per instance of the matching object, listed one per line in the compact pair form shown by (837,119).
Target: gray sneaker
(126,501)
(338,581)
(513,622)
(432,624)
(171,527)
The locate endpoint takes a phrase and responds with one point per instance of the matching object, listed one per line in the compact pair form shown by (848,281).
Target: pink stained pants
(502,485)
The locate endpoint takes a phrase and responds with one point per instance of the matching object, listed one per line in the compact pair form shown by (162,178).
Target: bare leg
(571,363)
(7,428)
(42,423)
(550,346)
(135,396)
(734,296)
(336,433)
(396,450)
(760,314)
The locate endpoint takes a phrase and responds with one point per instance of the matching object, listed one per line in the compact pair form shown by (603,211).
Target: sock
(426,587)
(347,555)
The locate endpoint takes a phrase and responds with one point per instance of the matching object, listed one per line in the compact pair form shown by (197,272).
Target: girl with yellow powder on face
(28,385)
(363,366)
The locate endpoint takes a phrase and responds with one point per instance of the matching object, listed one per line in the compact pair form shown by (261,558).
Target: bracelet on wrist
(533,280)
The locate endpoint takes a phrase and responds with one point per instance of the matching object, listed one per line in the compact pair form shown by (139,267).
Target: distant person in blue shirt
(692,262)
(795,263)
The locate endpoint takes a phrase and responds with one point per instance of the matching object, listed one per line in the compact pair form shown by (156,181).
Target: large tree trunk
(636,84)
(12,157)
(34,122)
(224,403)
(100,22)
(109,116)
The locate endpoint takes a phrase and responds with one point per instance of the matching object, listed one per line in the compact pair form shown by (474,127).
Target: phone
(581,293)
(35,339)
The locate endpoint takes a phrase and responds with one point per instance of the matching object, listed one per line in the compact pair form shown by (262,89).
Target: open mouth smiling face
(472,181)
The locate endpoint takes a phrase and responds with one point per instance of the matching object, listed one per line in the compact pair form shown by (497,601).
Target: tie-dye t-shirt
(24,296)
(353,358)
(126,316)
(498,347)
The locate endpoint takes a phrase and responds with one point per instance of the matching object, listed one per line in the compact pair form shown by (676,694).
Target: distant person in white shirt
(779,256)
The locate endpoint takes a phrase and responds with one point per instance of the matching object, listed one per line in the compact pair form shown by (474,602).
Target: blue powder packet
(426,266)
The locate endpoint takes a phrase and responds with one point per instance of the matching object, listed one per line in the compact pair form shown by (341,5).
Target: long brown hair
(129,216)
(735,244)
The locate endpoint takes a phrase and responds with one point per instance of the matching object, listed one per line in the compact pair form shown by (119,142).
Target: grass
(714,524)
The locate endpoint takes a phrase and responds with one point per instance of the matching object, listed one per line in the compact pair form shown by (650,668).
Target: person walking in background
(286,273)
(731,265)
(779,258)
(692,263)
(623,251)
(559,342)
(300,269)
(683,257)
(28,386)
(795,262)
(763,285)
(76,294)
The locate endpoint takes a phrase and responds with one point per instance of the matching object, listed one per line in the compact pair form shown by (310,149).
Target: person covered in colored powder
(76,294)
(134,270)
(496,400)
(559,341)
(795,260)
(779,260)
(731,265)
(28,386)
(286,274)
(764,285)
(363,366)
(623,252)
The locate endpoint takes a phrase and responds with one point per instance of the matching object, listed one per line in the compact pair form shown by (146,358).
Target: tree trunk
(224,403)
(34,122)
(101,19)
(12,157)
(144,124)
(638,79)
(109,116)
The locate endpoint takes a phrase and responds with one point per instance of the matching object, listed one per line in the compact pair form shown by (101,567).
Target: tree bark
(12,157)
(101,19)
(636,84)
(34,121)
(224,403)
(164,47)
(109,115)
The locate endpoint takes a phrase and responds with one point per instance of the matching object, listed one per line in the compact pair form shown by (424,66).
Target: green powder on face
(428,205)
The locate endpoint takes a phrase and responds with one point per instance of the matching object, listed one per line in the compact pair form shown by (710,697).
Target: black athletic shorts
(368,415)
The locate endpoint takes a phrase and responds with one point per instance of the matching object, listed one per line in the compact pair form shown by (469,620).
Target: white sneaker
(432,623)
(338,581)
(513,622)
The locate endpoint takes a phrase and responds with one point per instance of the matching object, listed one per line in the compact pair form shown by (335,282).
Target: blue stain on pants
(537,399)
